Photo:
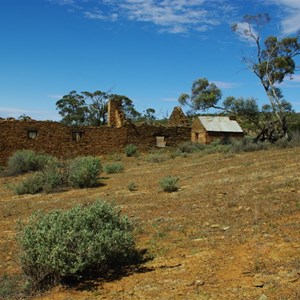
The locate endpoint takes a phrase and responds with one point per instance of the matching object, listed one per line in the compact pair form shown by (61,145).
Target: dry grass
(235,217)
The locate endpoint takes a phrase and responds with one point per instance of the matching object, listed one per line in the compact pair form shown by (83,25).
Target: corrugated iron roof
(220,124)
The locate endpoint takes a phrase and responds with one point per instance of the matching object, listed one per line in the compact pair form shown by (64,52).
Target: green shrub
(74,243)
(130,150)
(169,183)
(84,171)
(23,161)
(31,185)
(55,178)
(116,167)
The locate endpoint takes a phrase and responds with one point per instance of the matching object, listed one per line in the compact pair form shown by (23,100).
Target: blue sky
(149,50)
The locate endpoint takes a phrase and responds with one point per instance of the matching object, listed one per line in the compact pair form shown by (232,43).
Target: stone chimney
(116,117)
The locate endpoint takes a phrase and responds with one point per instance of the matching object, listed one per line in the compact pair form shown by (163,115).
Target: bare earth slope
(231,232)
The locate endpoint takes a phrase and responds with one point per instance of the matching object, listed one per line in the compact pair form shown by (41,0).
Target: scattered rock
(199,282)
(263,297)
(258,283)
(215,225)
(225,228)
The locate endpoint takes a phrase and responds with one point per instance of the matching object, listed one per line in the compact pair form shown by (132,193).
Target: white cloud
(290,22)
(173,16)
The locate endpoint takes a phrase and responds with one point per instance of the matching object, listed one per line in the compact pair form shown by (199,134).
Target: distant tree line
(90,108)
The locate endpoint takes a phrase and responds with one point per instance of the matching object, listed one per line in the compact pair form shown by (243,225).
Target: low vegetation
(24,161)
(169,183)
(84,171)
(130,150)
(80,172)
(74,243)
(115,167)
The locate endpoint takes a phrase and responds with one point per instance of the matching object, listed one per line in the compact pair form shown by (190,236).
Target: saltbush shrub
(74,243)
(130,150)
(115,167)
(84,171)
(23,161)
(30,185)
(169,183)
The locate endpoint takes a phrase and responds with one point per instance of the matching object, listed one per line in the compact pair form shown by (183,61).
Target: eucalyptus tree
(73,109)
(274,60)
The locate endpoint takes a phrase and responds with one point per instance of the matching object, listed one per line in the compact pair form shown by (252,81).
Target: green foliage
(23,161)
(90,108)
(115,167)
(84,171)
(204,95)
(74,243)
(274,61)
(31,185)
(130,150)
(81,172)
(72,108)
(169,183)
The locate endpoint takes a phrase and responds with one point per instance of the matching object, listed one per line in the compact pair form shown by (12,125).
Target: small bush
(130,150)
(169,183)
(55,178)
(23,161)
(31,185)
(113,168)
(74,243)
(84,171)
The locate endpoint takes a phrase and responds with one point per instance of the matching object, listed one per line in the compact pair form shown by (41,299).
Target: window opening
(32,133)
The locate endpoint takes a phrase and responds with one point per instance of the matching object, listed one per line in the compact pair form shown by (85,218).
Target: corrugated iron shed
(220,124)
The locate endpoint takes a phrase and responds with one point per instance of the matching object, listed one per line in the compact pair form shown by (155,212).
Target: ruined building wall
(144,135)
(178,118)
(69,141)
(57,139)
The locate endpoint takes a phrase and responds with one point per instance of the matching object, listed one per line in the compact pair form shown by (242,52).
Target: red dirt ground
(232,231)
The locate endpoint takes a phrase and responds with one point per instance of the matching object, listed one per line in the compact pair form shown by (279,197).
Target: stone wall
(69,141)
(144,135)
(59,140)
(178,118)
